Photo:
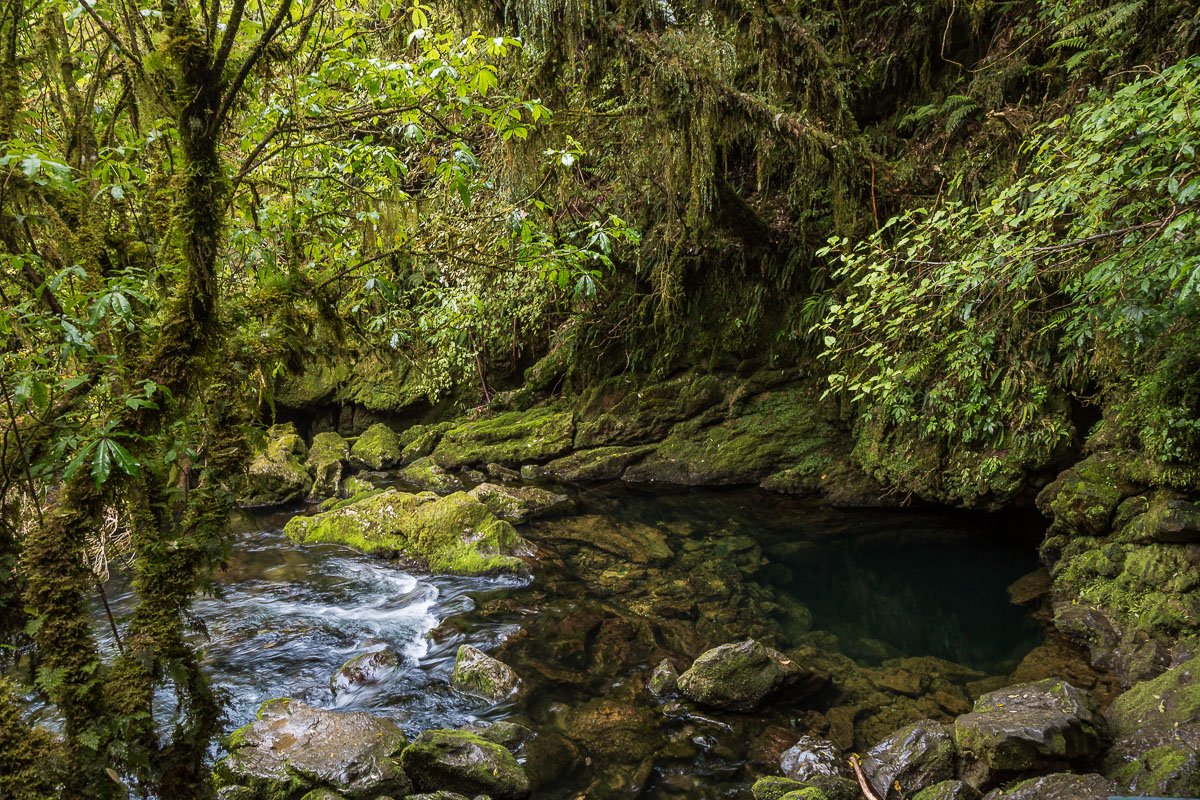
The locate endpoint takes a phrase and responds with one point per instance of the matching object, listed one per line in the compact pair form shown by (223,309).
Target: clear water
(886,583)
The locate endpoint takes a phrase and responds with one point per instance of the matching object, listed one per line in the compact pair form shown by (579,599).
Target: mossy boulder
(948,790)
(326,463)
(512,438)
(596,464)
(455,534)
(1156,734)
(739,676)
(1060,786)
(477,673)
(276,473)
(773,787)
(363,670)
(292,749)
(463,762)
(420,440)
(1028,727)
(618,411)
(913,758)
(428,474)
(520,503)
(1082,499)
(807,793)
(378,447)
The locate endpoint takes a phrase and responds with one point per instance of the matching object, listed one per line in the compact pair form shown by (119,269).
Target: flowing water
(629,577)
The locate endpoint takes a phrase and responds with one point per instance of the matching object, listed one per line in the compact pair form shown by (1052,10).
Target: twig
(863,784)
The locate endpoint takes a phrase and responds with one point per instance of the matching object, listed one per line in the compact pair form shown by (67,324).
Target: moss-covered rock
(455,534)
(428,474)
(1028,727)
(1082,499)
(664,680)
(520,503)
(807,793)
(458,761)
(596,464)
(739,676)
(378,447)
(1156,734)
(326,463)
(512,438)
(1060,786)
(420,440)
(620,412)
(292,749)
(477,673)
(276,473)
(948,790)
(773,787)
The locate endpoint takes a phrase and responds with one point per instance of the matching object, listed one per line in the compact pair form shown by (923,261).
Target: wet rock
(438,796)
(1029,726)
(911,759)
(500,472)
(948,790)
(1060,786)
(664,680)
(520,503)
(1156,735)
(291,749)
(509,735)
(378,447)
(428,474)
(327,456)
(462,762)
(1031,588)
(477,673)
(596,464)
(511,438)
(739,676)
(276,474)
(364,670)
(811,758)
(455,534)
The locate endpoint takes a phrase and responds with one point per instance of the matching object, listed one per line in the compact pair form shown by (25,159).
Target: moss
(377,448)
(420,440)
(807,793)
(774,787)
(463,762)
(426,473)
(477,673)
(511,438)
(455,534)
(596,464)
(1083,499)
(276,474)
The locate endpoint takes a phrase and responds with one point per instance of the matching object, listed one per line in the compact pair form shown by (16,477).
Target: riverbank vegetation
(962,237)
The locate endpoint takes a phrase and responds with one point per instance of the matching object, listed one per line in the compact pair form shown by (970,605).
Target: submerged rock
(911,759)
(739,676)
(326,461)
(1060,786)
(664,680)
(1030,726)
(291,749)
(428,474)
(477,673)
(1156,735)
(363,670)
(276,474)
(377,448)
(455,534)
(458,761)
(519,503)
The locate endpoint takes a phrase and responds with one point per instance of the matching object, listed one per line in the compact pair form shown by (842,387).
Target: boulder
(1156,735)
(276,473)
(811,758)
(807,793)
(739,676)
(377,448)
(428,474)
(1060,786)
(291,749)
(773,787)
(596,464)
(911,759)
(462,762)
(948,790)
(477,673)
(455,534)
(419,441)
(664,680)
(327,457)
(511,438)
(363,670)
(519,503)
(1026,727)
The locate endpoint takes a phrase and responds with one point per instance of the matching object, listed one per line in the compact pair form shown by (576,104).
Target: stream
(630,576)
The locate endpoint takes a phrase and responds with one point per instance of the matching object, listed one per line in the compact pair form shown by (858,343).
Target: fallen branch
(863,783)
